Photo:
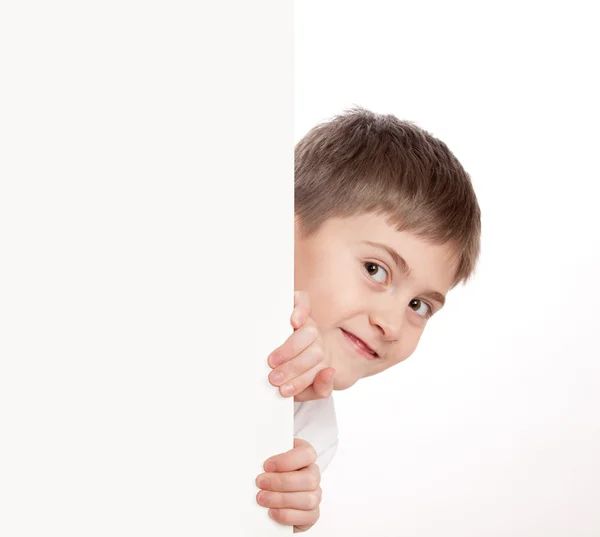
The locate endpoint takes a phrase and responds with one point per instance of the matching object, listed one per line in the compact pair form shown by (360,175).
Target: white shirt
(315,422)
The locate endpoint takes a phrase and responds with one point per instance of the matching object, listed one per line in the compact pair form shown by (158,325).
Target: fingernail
(263,483)
(270,467)
(276,359)
(277,377)
(287,389)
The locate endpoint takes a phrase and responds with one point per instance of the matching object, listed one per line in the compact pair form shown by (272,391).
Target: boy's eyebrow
(434,295)
(398,259)
(403,266)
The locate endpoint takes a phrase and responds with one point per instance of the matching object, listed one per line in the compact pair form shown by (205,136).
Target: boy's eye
(421,308)
(378,273)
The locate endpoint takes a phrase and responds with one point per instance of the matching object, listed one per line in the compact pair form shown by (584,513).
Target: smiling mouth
(360,346)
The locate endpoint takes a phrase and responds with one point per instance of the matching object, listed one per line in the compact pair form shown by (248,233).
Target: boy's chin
(342,381)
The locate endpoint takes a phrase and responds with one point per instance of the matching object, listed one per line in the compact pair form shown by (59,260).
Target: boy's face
(356,273)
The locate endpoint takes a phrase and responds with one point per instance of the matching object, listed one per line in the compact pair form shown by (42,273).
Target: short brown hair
(361,162)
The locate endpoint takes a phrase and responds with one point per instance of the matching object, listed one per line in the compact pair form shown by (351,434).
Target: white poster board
(146,265)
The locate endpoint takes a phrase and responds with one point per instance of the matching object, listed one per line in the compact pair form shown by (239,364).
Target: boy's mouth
(363,349)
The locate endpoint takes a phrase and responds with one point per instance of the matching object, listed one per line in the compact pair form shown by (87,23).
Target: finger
(300,340)
(293,517)
(321,388)
(300,456)
(301,309)
(305,361)
(304,501)
(305,480)
(301,382)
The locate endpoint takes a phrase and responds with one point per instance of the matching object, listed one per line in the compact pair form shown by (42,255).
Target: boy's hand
(300,364)
(291,487)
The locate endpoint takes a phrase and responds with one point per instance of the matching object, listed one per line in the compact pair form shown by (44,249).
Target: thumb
(323,383)
(301,309)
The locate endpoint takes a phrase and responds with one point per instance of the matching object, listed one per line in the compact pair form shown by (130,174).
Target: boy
(386,223)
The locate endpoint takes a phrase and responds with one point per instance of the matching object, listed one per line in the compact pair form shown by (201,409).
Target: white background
(491,427)
(146,259)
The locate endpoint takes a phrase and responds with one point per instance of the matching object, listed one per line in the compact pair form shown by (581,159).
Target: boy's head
(387,222)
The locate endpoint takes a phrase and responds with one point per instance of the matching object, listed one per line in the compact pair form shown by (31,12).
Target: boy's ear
(296,224)
(300,231)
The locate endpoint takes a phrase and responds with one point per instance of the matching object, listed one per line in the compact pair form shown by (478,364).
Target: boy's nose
(388,323)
